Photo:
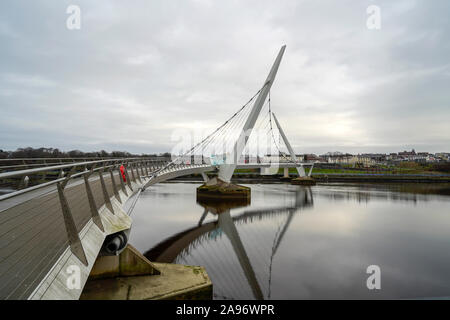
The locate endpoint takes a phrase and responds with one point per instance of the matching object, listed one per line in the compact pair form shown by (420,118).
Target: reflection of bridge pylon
(302,199)
(202,218)
(185,243)
(227,225)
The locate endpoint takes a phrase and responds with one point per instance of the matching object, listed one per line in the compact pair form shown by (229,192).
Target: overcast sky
(137,71)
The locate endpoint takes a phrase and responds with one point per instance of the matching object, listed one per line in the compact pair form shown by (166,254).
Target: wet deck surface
(33,235)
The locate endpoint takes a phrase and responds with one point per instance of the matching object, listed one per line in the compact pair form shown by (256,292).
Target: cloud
(136,72)
(21,80)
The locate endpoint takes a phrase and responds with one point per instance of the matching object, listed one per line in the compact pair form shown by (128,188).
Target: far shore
(334,177)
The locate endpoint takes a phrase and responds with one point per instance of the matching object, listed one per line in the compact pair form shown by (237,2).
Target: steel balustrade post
(132,172)
(116,192)
(105,192)
(93,206)
(138,165)
(146,169)
(141,165)
(138,175)
(128,177)
(137,172)
(72,233)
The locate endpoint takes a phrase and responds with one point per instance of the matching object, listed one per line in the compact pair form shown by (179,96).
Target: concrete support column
(286,173)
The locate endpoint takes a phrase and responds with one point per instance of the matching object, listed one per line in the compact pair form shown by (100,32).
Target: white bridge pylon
(226,170)
(300,169)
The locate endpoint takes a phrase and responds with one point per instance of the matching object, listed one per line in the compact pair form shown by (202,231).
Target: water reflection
(304,243)
(179,247)
(364,192)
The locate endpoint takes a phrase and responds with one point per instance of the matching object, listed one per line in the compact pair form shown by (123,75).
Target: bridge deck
(33,235)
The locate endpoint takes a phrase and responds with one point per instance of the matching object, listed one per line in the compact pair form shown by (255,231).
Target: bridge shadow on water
(213,243)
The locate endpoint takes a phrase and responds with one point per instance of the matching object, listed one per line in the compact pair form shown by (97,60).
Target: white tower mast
(226,170)
(300,170)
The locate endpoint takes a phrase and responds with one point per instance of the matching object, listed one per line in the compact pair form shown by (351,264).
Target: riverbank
(390,178)
(333,177)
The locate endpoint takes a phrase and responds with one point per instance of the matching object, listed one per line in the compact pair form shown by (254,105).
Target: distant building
(443,156)
(423,154)
(337,157)
(409,156)
(407,153)
(312,158)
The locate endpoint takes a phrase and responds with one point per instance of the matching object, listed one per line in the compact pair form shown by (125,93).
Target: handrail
(58,159)
(75,175)
(78,158)
(17,173)
(31,165)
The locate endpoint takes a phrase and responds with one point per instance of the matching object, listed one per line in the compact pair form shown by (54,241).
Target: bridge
(66,212)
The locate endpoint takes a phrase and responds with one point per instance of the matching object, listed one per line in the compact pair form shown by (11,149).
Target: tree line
(56,153)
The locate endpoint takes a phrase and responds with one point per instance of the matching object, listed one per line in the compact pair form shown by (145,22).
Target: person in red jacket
(122,172)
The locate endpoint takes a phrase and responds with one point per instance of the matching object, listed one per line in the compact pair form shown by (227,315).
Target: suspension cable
(210,135)
(273,137)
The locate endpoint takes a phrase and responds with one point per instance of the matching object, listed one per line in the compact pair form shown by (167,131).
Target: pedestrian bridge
(64,214)
(46,228)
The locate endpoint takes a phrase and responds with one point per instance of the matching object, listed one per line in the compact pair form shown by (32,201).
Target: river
(296,242)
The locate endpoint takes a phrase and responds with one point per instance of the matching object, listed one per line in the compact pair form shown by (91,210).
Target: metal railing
(136,167)
(10,164)
(67,171)
(137,170)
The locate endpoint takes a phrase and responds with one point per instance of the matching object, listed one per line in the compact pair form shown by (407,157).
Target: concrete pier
(304,181)
(221,190)
(130,276)
(285,176)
